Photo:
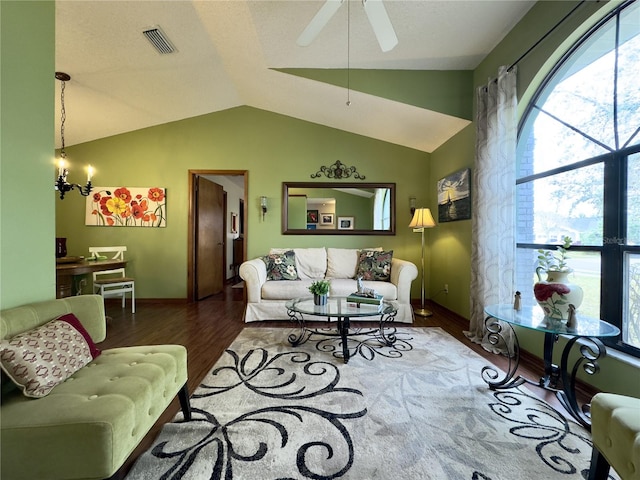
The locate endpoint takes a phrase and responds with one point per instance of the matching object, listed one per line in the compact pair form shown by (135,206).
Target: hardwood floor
(208,327)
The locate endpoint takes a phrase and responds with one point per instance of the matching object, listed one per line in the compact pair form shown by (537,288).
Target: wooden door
(209,238)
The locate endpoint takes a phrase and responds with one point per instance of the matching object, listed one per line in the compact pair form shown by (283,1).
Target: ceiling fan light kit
(376,13)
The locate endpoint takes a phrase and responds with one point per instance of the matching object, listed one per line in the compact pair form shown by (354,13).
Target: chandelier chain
(63,118)
(348,53)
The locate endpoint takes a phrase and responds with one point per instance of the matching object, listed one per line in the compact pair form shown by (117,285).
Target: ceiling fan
(375,11)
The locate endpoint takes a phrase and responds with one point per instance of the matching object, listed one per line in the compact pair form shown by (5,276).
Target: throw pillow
(281,266)
(44,357)
(374,265)
(71,319)
(343,262)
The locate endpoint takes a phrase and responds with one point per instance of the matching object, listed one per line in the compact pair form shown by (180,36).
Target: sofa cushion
(343,262)
(310,262)
(286,290)
(374,265)
(281,266)
(40,359)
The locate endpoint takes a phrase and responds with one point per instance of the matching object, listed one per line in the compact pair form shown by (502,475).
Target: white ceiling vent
(159,40)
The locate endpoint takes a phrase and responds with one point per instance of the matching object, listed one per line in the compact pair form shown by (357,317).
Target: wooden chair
(113,283)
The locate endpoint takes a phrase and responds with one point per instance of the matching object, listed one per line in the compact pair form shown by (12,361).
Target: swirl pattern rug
(417,410)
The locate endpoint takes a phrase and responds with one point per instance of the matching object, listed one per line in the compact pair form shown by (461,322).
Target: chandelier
(62,185)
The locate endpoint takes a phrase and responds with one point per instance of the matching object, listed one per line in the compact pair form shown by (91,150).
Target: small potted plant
(320,289)
(548,262)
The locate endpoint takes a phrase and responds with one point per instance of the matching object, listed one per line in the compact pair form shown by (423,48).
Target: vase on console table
(61,247)
(556,293)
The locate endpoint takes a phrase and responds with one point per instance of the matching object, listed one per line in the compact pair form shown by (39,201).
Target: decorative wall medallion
(338,170)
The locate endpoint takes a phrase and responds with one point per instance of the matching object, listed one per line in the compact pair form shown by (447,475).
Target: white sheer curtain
(493,224)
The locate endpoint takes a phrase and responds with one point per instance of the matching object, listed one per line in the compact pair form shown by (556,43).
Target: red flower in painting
(136,210)
(123,194)
(103,205)
(544,291)
(156,194)
(96,197)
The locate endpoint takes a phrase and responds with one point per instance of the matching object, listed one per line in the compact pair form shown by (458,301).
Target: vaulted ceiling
(232,53)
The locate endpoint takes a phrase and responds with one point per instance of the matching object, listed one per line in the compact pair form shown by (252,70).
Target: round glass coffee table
(340,312)
(559,379)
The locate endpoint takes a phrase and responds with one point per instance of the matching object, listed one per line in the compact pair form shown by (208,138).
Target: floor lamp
(422,219)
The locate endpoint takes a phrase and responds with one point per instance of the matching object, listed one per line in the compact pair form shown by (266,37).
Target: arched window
(382,209)
(579,171)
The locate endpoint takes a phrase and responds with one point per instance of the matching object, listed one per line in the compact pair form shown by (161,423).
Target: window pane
(633,200)
(628,68)
(583,95)
(631,309)
(569,203)
(550,145)
(586,273)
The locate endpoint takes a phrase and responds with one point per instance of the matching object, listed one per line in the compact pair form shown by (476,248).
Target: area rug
(417,410)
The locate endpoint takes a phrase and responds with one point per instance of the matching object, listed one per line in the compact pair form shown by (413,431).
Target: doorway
(209,236)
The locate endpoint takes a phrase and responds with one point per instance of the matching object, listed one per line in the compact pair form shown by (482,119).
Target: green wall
(444,91)
(273,148)
(27,248)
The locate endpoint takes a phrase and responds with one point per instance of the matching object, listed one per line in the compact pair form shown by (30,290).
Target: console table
(558,379)
(65,273)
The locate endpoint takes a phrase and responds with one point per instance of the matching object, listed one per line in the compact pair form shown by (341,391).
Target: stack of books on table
(356,299)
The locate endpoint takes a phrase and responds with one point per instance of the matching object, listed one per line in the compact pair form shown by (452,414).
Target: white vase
(556,293)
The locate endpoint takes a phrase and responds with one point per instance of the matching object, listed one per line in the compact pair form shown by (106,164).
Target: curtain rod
(545,36)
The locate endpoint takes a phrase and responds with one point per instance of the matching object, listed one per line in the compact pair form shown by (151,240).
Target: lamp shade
(422,218)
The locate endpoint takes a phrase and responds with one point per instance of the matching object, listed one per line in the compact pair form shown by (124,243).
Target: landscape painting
(454,196)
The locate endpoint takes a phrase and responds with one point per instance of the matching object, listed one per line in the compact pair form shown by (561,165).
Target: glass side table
(559,379)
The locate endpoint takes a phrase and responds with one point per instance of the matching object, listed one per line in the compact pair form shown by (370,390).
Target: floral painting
(127,207)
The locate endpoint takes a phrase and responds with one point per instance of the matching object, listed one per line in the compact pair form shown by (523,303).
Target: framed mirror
(316,208)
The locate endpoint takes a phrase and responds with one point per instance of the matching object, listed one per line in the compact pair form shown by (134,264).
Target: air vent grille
(159,40)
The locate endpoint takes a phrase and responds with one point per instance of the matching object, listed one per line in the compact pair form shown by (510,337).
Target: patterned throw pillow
(44,357)
(281,266)
(374,265)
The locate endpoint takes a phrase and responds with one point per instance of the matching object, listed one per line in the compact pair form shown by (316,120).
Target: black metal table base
(558,379)
(383,333)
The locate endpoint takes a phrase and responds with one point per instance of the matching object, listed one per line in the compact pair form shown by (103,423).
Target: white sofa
(266,298)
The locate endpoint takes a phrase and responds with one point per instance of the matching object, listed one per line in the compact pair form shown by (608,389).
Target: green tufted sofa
(88,425)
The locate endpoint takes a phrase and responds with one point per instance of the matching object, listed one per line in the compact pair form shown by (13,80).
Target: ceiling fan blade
(318,22)
(381,24)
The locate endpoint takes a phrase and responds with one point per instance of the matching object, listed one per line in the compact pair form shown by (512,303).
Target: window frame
(614,215)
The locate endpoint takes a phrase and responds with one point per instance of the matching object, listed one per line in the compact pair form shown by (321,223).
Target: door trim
(191,234)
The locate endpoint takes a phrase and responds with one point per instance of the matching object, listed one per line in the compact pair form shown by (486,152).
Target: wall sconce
(263,205)
(61,184)
(412,205)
